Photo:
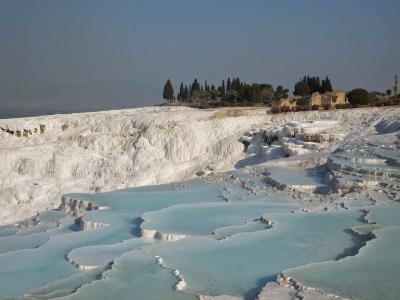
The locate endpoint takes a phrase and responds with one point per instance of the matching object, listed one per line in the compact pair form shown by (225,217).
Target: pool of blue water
(239,236)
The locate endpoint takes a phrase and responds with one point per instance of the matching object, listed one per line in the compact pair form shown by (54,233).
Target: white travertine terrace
(44,157)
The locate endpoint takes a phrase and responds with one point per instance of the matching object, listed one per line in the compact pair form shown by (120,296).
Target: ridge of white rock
(155,234)
(180,283)
(80,266)
(47,156)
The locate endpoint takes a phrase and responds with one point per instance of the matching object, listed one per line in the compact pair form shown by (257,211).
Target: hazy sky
(71,55)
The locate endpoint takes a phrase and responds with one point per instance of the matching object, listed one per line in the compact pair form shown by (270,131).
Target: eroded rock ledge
(155,234)
(85,225)
(76,207)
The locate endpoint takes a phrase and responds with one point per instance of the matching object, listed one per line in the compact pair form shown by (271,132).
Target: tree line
(231,91)
(309,85)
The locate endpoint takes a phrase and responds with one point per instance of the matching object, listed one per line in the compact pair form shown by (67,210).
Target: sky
(85,55)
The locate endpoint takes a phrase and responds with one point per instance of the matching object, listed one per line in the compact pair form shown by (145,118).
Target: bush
(358,97)
(315,107)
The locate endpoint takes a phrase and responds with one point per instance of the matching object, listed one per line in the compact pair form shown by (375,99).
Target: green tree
(196,95)
(168,92)
(254,93)
(396,85)
(215,93)
(222,88)
(281,93)
(206,94)
(388,92)
(314,84)
(301,88)
(358,96)
(186,93)
(266,93)
(235,85)
(181,92)
(194,87)
(228,84)
(206,87)
(326,85)
(231,96)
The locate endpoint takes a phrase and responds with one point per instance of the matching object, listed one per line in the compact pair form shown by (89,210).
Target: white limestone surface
(43,157)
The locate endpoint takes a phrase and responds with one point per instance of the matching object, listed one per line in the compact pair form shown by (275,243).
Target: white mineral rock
(43,157)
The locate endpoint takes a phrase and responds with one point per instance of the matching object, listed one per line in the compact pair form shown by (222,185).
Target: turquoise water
(135,276)
(204,218)
(240,264)
(229,247)
(102,255)
(386,215)
(253,226)
(67,285)
(370,275)
(294,176)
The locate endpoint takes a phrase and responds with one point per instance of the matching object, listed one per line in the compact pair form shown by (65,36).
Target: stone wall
(330,99)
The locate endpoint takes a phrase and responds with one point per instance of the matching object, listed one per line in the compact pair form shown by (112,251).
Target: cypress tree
(181,92)
(396,86)
(317,84)
(186,93)
(195,86)
(323,86)
(237,84)
(234,84)
(168,92)
(228,84)
(328,85)
(310,83)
